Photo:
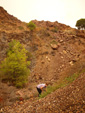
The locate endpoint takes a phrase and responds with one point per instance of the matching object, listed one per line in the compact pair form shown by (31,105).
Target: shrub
(31,25)
(54,42)
(55,29)
(21,27)
(14,68)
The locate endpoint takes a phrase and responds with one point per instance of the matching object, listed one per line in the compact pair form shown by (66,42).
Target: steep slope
(64,100)
(9,23)
(4,16)
(56,48)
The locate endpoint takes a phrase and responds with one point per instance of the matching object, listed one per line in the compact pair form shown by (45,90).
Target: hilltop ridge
(4,16)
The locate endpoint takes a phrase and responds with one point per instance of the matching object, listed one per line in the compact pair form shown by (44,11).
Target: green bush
(14,68)
(31,25)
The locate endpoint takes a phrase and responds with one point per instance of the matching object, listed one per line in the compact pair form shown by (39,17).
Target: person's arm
(43,88)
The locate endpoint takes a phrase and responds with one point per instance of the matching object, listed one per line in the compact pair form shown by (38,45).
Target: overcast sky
(63,11)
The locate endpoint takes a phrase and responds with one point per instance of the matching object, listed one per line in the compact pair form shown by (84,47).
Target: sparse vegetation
(72,74)
(31,25)
(66,81)
(70,31)
(71,78)
(45,32)
(55,29)
(21,27)
(14,68)
(54,42)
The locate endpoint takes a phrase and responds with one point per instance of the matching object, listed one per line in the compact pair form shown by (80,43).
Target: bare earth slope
(64,100)
(58,51)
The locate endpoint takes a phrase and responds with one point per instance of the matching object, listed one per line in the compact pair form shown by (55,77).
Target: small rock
(61,41)
(71,63)
(21,98)
(48,58)
(64,52)
(42,62)
(62,57)
(21,102)
(54,46)
(19,93)
(1,110)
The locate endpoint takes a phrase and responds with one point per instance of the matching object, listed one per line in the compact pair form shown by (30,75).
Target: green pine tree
(80,24)
(14,68)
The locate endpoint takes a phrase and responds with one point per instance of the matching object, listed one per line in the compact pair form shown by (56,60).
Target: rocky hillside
(58,52)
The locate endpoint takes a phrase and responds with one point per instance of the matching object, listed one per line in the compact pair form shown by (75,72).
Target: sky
(63,11)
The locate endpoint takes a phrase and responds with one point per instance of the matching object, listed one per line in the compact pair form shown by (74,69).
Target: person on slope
(41,87)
